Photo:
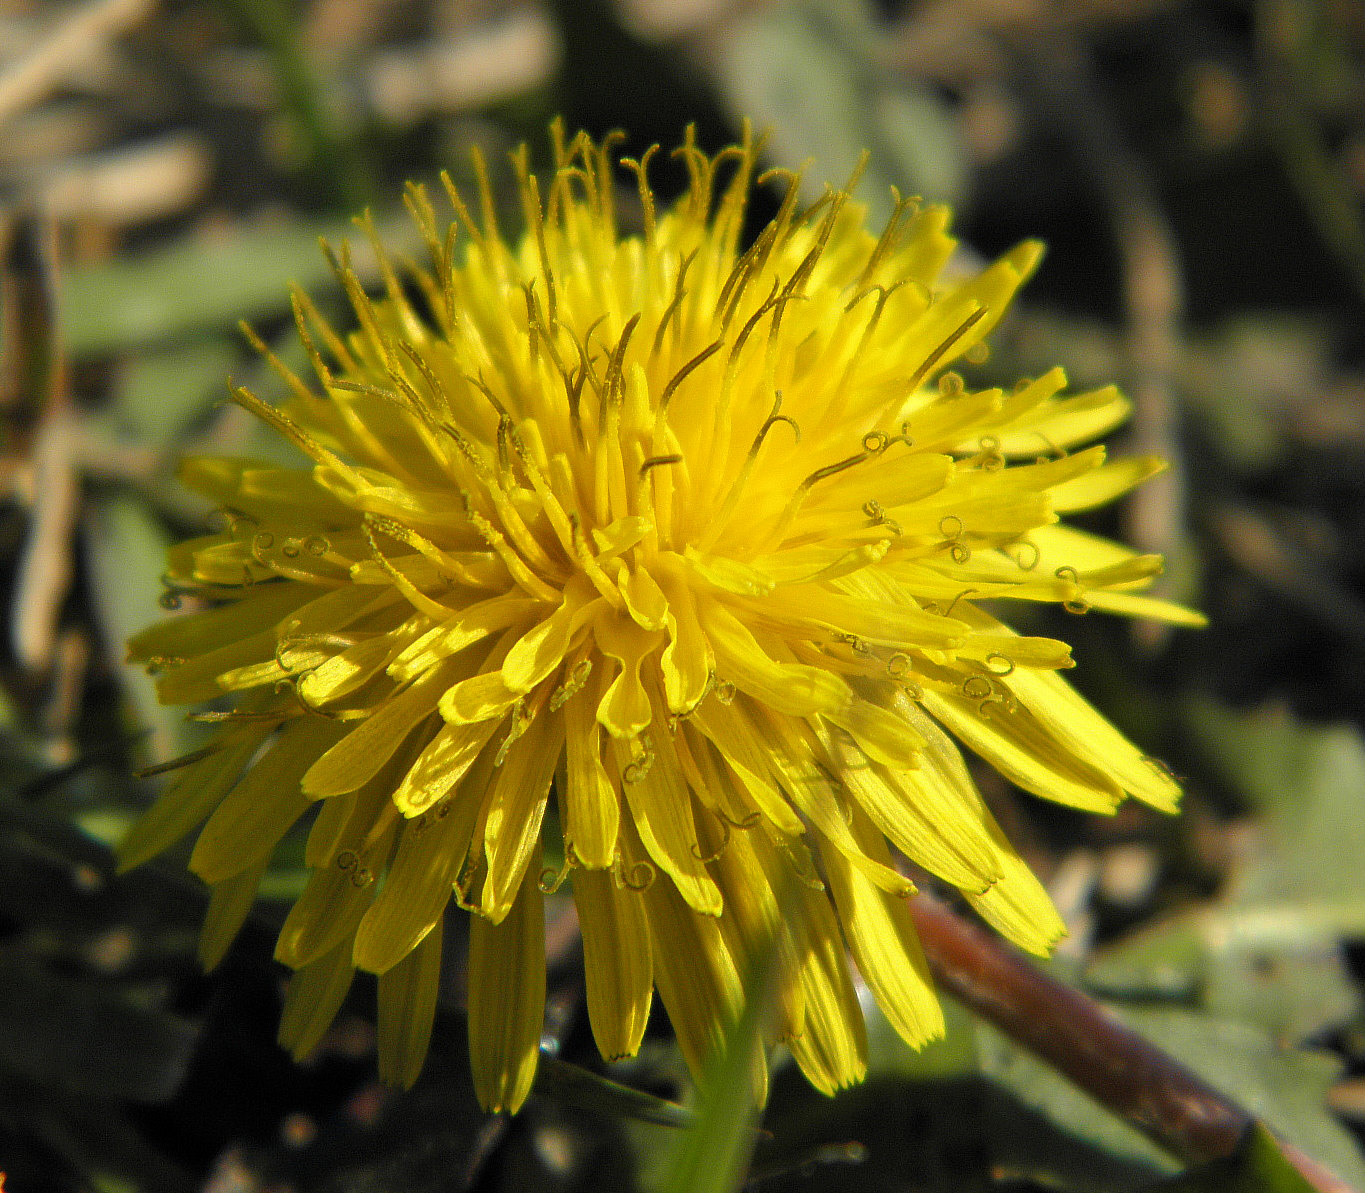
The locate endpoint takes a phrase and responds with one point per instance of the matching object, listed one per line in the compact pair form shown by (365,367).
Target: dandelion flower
(664,556)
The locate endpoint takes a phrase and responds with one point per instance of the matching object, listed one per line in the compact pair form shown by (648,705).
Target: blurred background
(1198,172)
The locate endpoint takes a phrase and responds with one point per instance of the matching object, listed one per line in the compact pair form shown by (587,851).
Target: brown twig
(478,66)
(74,38)
(1075,1035)
(45,568)
(130,184)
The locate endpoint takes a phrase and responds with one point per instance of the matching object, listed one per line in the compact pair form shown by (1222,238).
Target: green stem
(330,152)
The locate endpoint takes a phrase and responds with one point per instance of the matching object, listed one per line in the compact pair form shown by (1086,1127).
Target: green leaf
(952,1055)
(160,391)
(198,285)
(1069,1109)
(1259,1166)
(1268,950)
(1168,960)
(571,1085)
(1221,959)
(1308,781)
(815,75)
(1285,1087)
(332,151)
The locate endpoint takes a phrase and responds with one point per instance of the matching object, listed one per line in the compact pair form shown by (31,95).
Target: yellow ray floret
(661,555)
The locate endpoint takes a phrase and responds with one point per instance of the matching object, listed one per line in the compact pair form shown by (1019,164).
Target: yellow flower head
(667,549)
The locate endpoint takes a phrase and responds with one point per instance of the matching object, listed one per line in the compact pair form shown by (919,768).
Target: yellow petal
(407,1009)
(832,1045)
(624,710)
(1017,906)
(1002,652)
(196,679)
(758,932)
(507,999)
(728,575)
(328,833)
(940,424)
(347,670)
(619,536)
(660,805)
(695,974)
(227,911)
(687,660)
(322,917)
(339,892)
(791,746)
(444,761)
(589,804)
(617,961)
(894,623)
(541,649)
(198,633)
(482,697)
(1136,572)
(337,610)
(745,756)
(715,784)
(1132,605)
(817,564)
(358,756)
(891,480)
(1024,752)
(1081,730)
(228,480)
(784,687)
(417,887)
(219,561)
(1027,398)
(470,625)
(313,999)
(880,734)
(988,293)
(515,808)
(882,938)
(1043,474)
(195,792)
(924,813)
(1105,485)
(259,810)
(645,600)
(1065,546)
(1072,420)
